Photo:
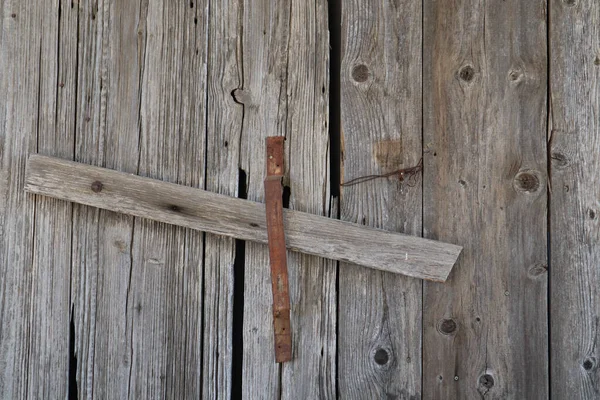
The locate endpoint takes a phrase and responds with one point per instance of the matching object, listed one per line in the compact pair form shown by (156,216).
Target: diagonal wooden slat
(242,219)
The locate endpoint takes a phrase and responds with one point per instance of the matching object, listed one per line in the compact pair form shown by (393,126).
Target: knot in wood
(559,160)
(515,75)
(487,381)
(589,364)
(466,73)
(527,181)
(447,326)
(381,357)
(360,73)
(537,269)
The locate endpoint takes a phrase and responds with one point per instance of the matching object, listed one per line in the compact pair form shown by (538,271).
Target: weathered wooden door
(497,98)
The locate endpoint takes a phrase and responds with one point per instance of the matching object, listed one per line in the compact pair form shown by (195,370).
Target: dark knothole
(487,381)
(447,326)
(467,73)
(381,357)
(588,364)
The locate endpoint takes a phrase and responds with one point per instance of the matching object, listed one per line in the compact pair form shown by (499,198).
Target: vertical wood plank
(485,77)
(575,199)
(48,374)
(224,129)
(263,94)
(20,94)
(312,279)
(165,298)
(380,314)
(111,50)
(284,72)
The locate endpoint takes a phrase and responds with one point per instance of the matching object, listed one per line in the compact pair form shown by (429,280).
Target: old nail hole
(487,381)
(467,73)
(254,225)
(588,364)
(226,143)
(381,357)
(597,60)
(191,4)
(175,208)
(13,15)
(97,186)
(441,378)
(462,182)
(527,182)
(360,73)
(447,326)
(477,319)
(195,20)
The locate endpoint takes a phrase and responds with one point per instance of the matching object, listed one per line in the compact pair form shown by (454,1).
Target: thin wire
(407,174)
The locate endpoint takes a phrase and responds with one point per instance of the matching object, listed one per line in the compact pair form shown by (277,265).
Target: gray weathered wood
(108,89)
(119,292)
(575,199)
(34,295)
(224,122)
(380,314)
(312,279)
(51,269)
(485,330)
(165,294)
(206,211)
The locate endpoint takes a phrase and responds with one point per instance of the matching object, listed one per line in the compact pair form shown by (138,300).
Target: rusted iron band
(277,250)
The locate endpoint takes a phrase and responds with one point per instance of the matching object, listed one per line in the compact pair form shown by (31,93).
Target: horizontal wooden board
(242,219)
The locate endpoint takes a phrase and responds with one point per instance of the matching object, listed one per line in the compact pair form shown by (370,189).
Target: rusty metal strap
(277,249)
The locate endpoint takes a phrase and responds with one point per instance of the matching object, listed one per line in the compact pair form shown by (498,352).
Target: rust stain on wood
(388,153)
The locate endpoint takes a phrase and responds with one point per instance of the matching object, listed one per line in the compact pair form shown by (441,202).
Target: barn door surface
(491,106)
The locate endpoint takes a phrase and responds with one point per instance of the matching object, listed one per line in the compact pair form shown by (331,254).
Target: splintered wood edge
(241,219)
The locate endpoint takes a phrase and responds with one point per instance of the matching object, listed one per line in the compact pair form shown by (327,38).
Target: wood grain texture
(51,269)
(312,372)
(165,294)
(25,347)
(206,211)
(575,199)
(108,89)
(380,314)
(224,122)
(131,58)
(485,330)
(265,39)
